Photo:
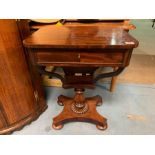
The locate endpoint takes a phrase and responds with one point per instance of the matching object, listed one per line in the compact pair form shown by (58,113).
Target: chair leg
(113,82)
(153,23)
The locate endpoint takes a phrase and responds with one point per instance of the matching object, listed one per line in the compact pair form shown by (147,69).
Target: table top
(80,37)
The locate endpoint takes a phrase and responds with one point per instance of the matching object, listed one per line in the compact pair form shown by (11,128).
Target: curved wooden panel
(19,101)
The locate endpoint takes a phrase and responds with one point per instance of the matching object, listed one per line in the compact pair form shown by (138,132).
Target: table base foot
(58,127)
(90,115)
(102,127)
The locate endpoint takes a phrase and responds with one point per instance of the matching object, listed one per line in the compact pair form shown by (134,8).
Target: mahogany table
(80,51)
(125,24)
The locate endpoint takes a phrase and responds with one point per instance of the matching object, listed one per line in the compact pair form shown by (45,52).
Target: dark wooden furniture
(125,24)
(80,51)
(20,100)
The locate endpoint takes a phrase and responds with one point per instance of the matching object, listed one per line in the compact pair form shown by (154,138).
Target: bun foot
(99,104)
(62,99)
(57,127)
(60,103)
(102,127)
(98,100)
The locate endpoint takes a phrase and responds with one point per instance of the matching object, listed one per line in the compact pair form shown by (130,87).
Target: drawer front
(56,57)
(101,58)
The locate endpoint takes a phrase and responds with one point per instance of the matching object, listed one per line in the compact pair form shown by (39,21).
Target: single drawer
(56,57)
(106,58)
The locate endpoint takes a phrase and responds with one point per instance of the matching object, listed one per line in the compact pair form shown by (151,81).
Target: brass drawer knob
(79,56)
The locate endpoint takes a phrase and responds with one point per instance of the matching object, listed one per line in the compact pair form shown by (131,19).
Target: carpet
(140,71)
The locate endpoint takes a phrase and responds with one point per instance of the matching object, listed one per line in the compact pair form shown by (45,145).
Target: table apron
(96,58)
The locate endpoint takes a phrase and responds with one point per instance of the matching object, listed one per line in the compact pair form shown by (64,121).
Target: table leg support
(80,109)
(113,81)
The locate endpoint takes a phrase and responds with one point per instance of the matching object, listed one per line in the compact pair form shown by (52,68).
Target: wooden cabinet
(19,102)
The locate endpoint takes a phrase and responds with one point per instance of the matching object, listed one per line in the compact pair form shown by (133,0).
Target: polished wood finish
(81,109)
(113,81)
(19,100)
(24,30)
(80,51)
(83,58)
(77,38)
(125,24)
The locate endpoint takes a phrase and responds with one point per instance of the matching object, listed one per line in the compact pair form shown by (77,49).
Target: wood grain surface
(80,51)
(77,37)
(18,101)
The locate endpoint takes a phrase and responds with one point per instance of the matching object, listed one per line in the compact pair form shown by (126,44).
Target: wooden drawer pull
(79,56)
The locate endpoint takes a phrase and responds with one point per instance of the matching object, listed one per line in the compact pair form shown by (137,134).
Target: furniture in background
(80,51)
(123,23)
(22,98)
